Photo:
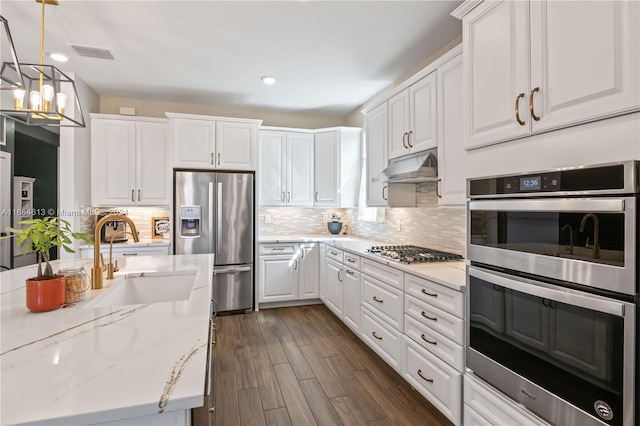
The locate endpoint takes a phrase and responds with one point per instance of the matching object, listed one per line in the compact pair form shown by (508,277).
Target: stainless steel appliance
(413,254)
(111,228)
(553,291)
(214,213)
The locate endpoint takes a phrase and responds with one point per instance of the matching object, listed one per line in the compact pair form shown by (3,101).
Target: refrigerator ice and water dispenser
(190,217)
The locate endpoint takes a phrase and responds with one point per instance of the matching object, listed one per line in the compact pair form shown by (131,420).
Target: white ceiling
(329,57)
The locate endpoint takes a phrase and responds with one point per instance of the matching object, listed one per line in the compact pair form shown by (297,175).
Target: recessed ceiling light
(58,57)
(267,79)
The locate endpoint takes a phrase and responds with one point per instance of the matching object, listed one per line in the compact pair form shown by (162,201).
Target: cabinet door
(585,60)
(496,66)
(272,172)
(193,143)
(327,174)
(300,169)
(323,271)
(352,288)
(334,287)
(153,175)
(115,180)
(423,130)
(376,136)
(309,278)
(452,186)
(278,278)
(235,145)
(399,124)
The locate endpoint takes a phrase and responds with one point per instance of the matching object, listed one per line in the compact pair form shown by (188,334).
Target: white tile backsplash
(141,217)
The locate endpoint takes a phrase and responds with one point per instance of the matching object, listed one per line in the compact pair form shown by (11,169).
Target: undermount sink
(143,288)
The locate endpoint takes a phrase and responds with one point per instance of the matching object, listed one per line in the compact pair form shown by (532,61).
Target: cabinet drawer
(442,297)
(384,340)
(334,253)
(383,300)
(493,407)
(384,273)
(445,349)
(434,379)
(440,321)
(279,248)
(351,261)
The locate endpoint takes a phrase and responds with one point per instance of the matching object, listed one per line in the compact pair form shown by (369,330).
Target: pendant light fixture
(46,91)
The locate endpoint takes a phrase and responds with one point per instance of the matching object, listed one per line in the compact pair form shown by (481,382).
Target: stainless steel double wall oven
(553,291)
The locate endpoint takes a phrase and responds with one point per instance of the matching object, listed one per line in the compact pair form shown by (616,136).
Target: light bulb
(35,100)
(61,100)
(47,96)
(18,98)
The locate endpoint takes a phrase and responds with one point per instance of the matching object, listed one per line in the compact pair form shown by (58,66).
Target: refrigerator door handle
(219,220)
(211,248)
(231,270)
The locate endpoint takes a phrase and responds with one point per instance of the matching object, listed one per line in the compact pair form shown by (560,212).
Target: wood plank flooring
(303,366)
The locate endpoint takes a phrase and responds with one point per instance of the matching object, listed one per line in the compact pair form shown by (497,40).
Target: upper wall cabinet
(130,161)
(286,168)
(206,142)
(412,118)
(531,67)
(337,167)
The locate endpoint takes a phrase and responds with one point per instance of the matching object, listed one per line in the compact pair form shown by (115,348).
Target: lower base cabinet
(383,339)
(334,287)
(486,406)
(434,379)
(352,283)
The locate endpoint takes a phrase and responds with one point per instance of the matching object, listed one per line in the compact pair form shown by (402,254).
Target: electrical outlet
(267,218)
(398,225)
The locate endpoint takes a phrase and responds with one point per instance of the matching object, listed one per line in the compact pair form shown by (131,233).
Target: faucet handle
(115,266)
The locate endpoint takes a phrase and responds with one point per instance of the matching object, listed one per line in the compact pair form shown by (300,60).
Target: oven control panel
(537,183)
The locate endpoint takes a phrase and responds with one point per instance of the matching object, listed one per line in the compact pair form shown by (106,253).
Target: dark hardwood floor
(302,366)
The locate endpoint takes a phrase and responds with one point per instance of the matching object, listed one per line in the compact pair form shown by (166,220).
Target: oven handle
(590,205)
(563,296)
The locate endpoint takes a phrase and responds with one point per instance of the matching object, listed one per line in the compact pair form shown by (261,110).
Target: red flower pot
(45,294)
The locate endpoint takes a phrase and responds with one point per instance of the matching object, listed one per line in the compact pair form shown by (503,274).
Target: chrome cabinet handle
(218,159)
(533,114)
(138,195)
(378,300)
(132,192)
(520,122)
(212,158)
(283,199)
(288,197)
(429,294)
(129,254)
(428,317)
(409,138)
(424,378)
(404,142)
(339,279)
(383,188)
(428,341)
(376,336)
(277,248)
(438,188)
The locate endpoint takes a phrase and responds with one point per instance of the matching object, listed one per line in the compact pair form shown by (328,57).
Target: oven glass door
(571,344)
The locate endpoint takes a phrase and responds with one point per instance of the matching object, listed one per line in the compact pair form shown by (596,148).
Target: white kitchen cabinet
(485,405)
(376,140)
(309,271)
(352,289)
(452,182)
(130,161)
(286,168)
(278,278)
(337,163)
(412,118)
(537,66)
(386,341)
(334,287)
(322,271)
(208,142)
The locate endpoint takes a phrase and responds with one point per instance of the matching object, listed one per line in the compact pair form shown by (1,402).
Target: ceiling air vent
(92,52)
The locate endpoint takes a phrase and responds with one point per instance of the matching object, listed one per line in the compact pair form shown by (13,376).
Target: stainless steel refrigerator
(214,213)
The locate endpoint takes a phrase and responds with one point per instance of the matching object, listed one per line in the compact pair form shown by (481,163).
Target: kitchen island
(129,364)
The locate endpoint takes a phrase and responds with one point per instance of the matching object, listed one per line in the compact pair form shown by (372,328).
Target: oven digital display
(530,183)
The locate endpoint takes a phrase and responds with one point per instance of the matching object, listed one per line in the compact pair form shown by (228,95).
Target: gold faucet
(596,225)
(96,271)
(110,267)
(570,245)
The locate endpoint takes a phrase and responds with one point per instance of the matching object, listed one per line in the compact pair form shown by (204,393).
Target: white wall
(74,164)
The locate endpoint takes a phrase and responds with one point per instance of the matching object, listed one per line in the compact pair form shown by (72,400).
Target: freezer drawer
(233,287)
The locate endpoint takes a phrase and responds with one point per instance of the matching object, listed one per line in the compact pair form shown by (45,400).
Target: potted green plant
(45,291)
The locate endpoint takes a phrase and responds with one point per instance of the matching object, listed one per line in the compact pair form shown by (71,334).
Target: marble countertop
(450,274)
(131,243)
(78,366)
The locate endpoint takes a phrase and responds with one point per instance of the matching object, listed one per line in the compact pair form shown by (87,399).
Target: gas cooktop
(413,254)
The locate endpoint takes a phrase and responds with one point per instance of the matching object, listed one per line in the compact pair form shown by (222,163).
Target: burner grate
(413,254)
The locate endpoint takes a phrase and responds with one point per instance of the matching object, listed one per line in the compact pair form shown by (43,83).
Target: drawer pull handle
(350,260)
(428,317)
(376,336)
(277,248)
(334,253)
(378,300)
(350,272)
(429,294)
(424,378)
(428,341)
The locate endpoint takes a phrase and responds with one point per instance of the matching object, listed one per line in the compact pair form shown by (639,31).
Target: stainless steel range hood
(413,168)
